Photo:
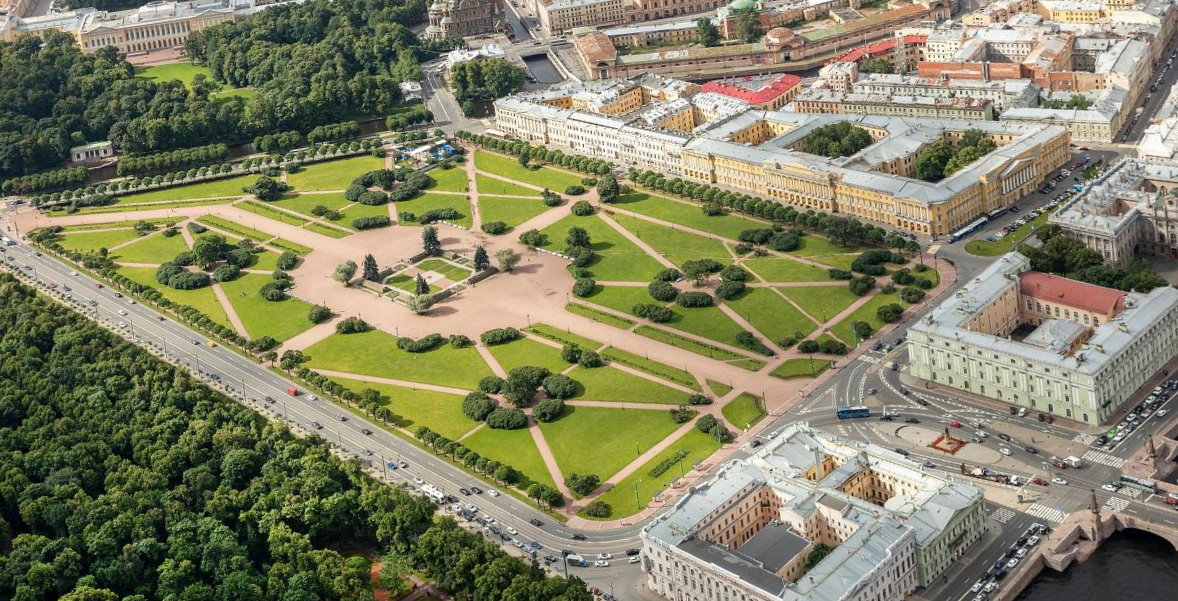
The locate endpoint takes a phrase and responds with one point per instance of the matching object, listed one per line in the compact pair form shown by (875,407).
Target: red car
(1039,481)
(955,424)
(1171,501)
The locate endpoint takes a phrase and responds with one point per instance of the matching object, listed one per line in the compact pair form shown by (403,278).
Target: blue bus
(969,229)
(852,412)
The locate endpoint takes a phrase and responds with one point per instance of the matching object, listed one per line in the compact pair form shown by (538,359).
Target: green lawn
(652,367)
(280,320)
(800,368)
(744,411)
(618,258)
(160,222)
(774,269)
(595,440)
(375,353)
(326,230)
(813,246)
(772,315)
(700,348)
(622,498)
(403,281)
(598,315)
(152,249)
(218,188)
(92,241)
(609,384)
(201,299)
(979,246)
(512,211)
(333,175)
(185,72)
(561,337)
(429,202)
(528,352)
(303,203)
(545,177)
(450,271)
(865,312)
(688,214)
(490,185)
(230,227)
(511,447)
(265,260)
(131,208)
(720,388)
(931,275)
(358,210)
(450,180)
(621,298)
(270,212)
(821,302)
(440,411)
(676,245)
(282,244)
(709,322)
(840,261)
(243,93)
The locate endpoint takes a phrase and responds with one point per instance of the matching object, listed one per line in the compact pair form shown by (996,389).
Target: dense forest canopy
(121,478)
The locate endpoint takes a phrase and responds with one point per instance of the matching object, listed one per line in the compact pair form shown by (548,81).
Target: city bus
(996,213)
(852,412)
(1143,483)
(969,229)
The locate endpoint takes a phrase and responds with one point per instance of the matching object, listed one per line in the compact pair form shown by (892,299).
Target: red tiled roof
(874,49)
(1081,295)
(772,89)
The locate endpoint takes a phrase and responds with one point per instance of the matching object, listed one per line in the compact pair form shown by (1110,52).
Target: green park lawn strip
(813,246)
(428,202)
(118,225)
(719,388)
(243,93)
(800,368)
(676,245)
(333,175)
(776,269)
(125,208)
(201,299)
(838,261)
(439,411)
(280,320)
(772,315)
(511,447)
(449,180)
(304,203)
(865,312)
(601,441)
(650,366)
(265,260)
(92,241)
(821,302)
(622,497)
(621,298)
(618,259)
(357,210)
(561,337)
(699,348)
(270,212)
(979,246)
(155,248)
(447,269)
(408,283)
(218,188)
(744,411)
(185,72)
(599,316)
(490,185)
(528,352)
(609,384)
(283,244)
(505,166)
(326,230)
(931,275)
(512,211)
(232,228)
(687,214)
(709,322)
(375,353)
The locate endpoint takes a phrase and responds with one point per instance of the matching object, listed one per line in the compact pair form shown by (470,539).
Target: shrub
(669,274)
(288,260)
(730,290)
(598,509)
(839,274)
(500,336)
(590,359)
(319,314)
(571,353)
(889,313)
(703,265)
(264,343)
(530,375)
(912,295)
(574,190)
(662,291)
(491,384)
(446,214)
(862,330)
(808,346)
(372,222)
(196,228)
(352,325)
(352,194)
(920,268)
(734,273)
(548,410)
(752,343)
(373,198)
(533,238)
(695,299)
(712,209)
(681,414)
(581,256)
(903,277)
(184,258)
(924,284)
(226,273)
(872,270)
(495,228)
(584,287)
(559,386)
(698,399)
(667,463)
(861,285)
(273,292)
(655,313)
(833,347)
(785,241)
(507,419)
(706,423)
(888,289)
(421,345)
(477,406)
(582,484)
(550,198)
(582,208)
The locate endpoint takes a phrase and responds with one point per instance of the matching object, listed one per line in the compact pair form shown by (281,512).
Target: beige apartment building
(828,102)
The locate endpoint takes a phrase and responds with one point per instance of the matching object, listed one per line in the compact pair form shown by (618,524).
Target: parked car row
(1137,416)
(989,582)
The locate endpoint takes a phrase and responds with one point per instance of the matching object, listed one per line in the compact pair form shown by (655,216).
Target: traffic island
(947,444)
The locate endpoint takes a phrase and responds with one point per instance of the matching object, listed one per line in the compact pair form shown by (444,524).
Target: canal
(541,67)
(1130,566)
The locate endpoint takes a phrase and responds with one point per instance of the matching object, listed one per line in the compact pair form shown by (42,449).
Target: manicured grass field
(840,261)
(403,281)
(720,388)
(270,212)
(440,411)
(511,447)
(243,93)
(931,275)
(687,344)
(159,222)
(595,440)
(621,298)
(131,208)
(621,497)
(218,188)
(561,337)
(512,211)
(609,384)
(326,230)
(821,302)
(650,366)
(303,203)
(448,270)
(429,202)
(528,352)
(230,227)
(709,322)
(375,353)
(265,260)
(333,175)
(865,312)
(598,315)
(744,411)
(688,214)
(676,245)
(152,249)
(545,177)
(490,185)
(775,269)
(185,72)
(618,259)
(800,368)
(979,246)
(280,320)
(201,299)
(451,180)
(772,315)
(357,210)
(92,241)
(283,245)
(813,246)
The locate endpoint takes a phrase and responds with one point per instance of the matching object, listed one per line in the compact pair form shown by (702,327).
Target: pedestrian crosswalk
(1085,439)
(868,358)
(1104,459)
(1050,514)
(1002,515)
(1130,492)
(1115,504)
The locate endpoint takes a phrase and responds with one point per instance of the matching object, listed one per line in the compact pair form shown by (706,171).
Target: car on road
(73,273)
(122,324)
(1004,436)
(977,587)
(990,587)
(211,344)
(122,311)
(368,452)
(464,492)
(604,556)
(472,507)
(1004,451)
(911,420)
(886,418)
(1039,481)
(403,463)
(1013,562)
(535,522)
(635,559)
(601,563)
(391,465)
(492,492)
(476,490)
(511,530)
(871,391)
(901,451)
(343,418)
(1162,412)
(633,552)
(418,481)
(1031,450)
(578,536)
(1110,487)
(550,558)
(366,431)
(317,425)
(954,423)
(1031,542)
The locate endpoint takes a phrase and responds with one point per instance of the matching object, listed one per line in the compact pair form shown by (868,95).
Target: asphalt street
(1135,128)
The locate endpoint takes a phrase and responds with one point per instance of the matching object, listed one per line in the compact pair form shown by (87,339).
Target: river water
(1130,566)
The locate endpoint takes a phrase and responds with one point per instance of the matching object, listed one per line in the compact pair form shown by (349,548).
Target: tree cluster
(1069,257)
(479,81)
(940,160)
(174,159)
(841,139)
(46,180)
(334,132)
